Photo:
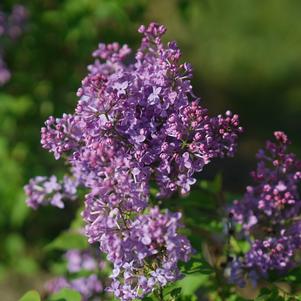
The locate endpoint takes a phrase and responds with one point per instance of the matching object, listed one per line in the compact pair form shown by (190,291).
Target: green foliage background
(246,56)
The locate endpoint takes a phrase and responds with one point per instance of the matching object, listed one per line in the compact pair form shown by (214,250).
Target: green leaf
(269,295)
(196,265)
(14,244)
(191,283)
(188,298)
(26,265)
(68,240)
(148,298)
(78,221)
(214,186)
(66,294)
(31,296)
(176,292)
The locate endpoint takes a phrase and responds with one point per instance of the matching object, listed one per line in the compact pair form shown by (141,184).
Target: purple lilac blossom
(80,260)
(44,191)
(11,27)
(114,215)
(16,21)
(147,254)
(56,284)
(268,213)
(134,124)
(89,286)
(149,108)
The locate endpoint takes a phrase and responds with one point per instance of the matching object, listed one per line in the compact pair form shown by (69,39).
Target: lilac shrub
(11,27)
(269,214)
(135,124)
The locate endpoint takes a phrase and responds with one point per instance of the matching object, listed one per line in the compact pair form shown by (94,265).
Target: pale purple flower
(120,88)
(154,96)
(56,284)
(80,260)
(44,191)
(88,286)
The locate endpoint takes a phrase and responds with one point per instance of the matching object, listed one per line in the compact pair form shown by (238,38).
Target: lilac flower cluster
(44,191)
(89,286)
(136,124)
(274,241)
(145,255)
(114,212)
(146,107)
(11,27)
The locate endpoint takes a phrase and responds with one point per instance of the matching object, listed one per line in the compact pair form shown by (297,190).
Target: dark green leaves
(196,265)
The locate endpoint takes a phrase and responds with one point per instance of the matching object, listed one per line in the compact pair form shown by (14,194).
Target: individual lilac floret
(44,191)
(148,107)
(89,286)
(268,213)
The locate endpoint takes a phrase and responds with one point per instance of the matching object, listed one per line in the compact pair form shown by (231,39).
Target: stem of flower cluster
(161,297)
(159,294)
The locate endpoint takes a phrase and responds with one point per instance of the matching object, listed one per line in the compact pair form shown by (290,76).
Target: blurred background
(246,57)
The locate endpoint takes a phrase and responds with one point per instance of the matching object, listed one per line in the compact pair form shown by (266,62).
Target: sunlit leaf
(66,294)
(68,240)
(31,296)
